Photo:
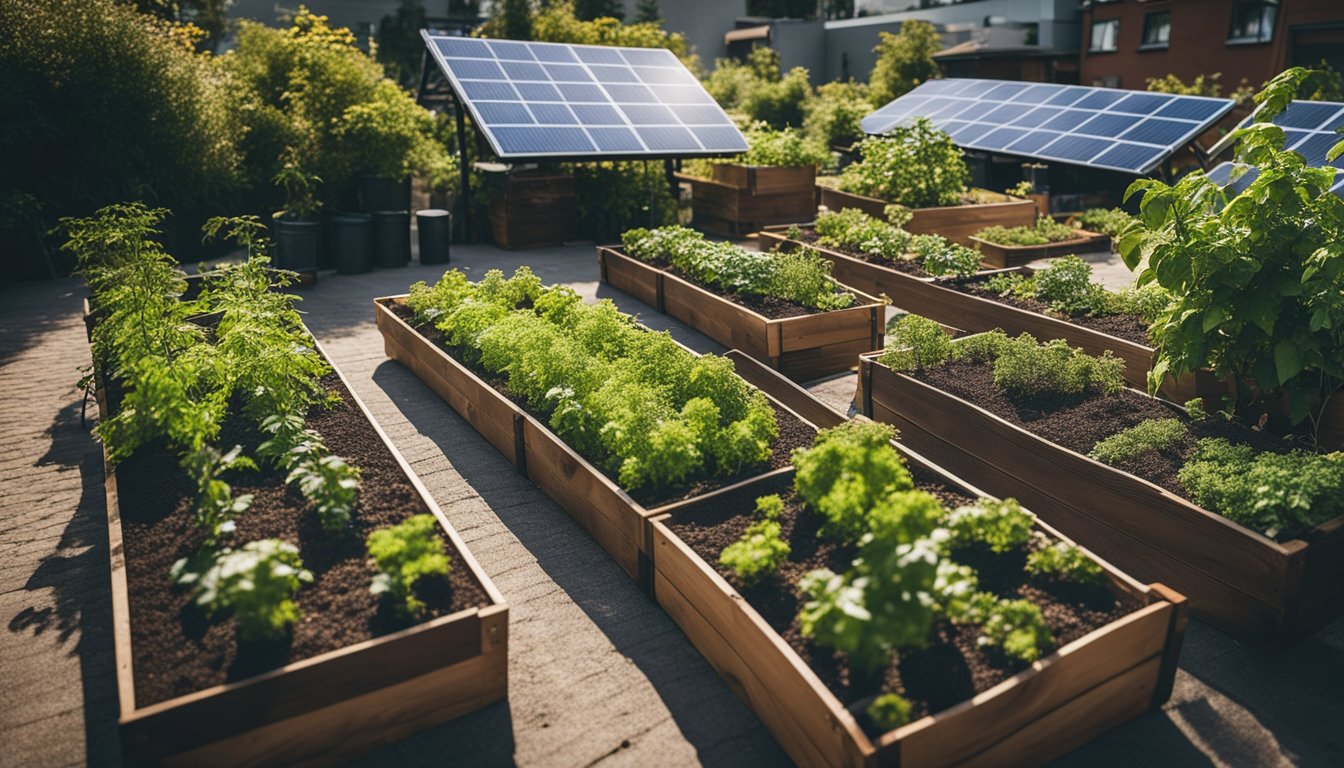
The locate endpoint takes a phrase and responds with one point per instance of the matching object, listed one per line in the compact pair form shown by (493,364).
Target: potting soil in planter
(177,649)
(954,666)
(1129,327)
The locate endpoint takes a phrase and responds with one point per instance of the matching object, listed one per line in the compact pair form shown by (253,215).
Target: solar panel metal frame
(949,102)
(644,152)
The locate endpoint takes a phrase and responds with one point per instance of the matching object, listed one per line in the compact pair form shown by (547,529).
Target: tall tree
(513,19)
(587,10)
(647,12)
(904,61)
(400,48)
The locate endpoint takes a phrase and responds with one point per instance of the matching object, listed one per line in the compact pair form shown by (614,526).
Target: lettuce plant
(405,555)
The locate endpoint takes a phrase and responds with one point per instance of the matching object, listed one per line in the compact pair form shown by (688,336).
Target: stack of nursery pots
(376,235)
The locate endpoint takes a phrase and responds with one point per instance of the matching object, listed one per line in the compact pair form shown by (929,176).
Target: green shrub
(760,551)
(916,166)
(941,257)
(616,196)
(783,148)
(915,343)
(980,347)
(1025,368)
(1067,563)
(855,230)
(405,555)
(889,712)
(760,90)
(1194,408)
(1273,493)
(1002,526)
(846,472)
(835,116)
(1066,285)
(256,582)
(1045,231)
(1107,221)
(904,60)
(1148,435)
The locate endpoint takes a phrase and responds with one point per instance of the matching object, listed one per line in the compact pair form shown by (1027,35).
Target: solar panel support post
(464,166)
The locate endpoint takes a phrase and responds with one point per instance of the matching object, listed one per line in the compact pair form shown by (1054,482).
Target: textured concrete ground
(597,674)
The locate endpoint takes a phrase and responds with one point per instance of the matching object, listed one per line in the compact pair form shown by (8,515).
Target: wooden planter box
(327,708)
(935,299)
(999,256)
(804,347)
(535,210)
(1062,701)
(740,199)
(1273,593)
(955,222)
(602,508)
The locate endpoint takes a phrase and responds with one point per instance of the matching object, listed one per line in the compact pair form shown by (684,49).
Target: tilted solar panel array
(536,100)
(1310,128)
(1132,131)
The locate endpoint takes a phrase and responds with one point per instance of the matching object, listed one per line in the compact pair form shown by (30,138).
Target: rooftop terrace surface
(597,672)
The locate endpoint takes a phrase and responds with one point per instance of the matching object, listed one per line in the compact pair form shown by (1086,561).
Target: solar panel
(534,100)
(1132,131)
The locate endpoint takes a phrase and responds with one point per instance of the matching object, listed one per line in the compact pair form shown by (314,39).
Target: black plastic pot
(436,233)
(391,238)
(380,193)
(296,244)
(351,242)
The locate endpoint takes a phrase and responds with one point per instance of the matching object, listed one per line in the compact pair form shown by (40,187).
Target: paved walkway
(598,674)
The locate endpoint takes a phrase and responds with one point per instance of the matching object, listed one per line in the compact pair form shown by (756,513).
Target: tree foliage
(904,60)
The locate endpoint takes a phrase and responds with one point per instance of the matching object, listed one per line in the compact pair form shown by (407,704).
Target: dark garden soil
(1127,327)
(177,650)
(793,432)
(771,307)
(953,667)
(1079,423)
(909,267)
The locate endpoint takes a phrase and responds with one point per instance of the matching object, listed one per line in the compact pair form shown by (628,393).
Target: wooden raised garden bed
(804,347)
(955,222)
(595,501)
(1058,703)
(938,299)
(328,707)
(999,256)
(1273,593)
(534,210)
(740,199)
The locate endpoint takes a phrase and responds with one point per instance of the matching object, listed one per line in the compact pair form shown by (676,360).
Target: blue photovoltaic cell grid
(1131,131)
(536,100)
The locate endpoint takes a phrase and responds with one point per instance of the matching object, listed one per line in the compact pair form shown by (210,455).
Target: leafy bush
(1148,435)
(916,166)
(1066,285)
(405,555)
(630,400)
(1194,408)
(1002,526)
(1045,231)
(760,551)
(557,22)
(1067,563)
(256,582)
(854,230)
(846,473)
(942,257)
(1253,277)
(835,116)
(1107,221)
(980,347)
(760,90)
(104,104)
(1273,493)
(915,343)
(904,60)
(802,277)
(1025,368)
(783,148)
(889,711)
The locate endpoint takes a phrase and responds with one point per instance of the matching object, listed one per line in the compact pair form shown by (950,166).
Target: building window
(1106,81)
(1253,21)
(1156,30)
(1105,36)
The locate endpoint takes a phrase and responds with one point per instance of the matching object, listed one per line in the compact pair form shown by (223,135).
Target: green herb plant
(1045,231)
(916,166)
(760,551)
(405,555)
(914,343)
(1277,494)
(256,583)
(1015,627)
(1144,437)
(871,238)
(1000,526)
(1107,221)
(215,506)
(846,473)
(889,711)
(1065,563)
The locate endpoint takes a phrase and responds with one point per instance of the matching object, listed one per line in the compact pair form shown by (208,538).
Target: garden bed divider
(804,347)
(329,707)
(1273,593)
(1060,702)
(955,222)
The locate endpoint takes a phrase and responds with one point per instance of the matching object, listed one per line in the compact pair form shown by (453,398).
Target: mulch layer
(793,432)
(177,649)
(953,667)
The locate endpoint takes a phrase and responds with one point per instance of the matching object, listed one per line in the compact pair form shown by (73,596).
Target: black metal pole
(464,169)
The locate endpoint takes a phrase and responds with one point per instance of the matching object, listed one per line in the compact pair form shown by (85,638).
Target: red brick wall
(1198,42)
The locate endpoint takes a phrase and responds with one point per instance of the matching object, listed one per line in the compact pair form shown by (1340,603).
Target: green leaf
(1213,318)
(1287,360)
